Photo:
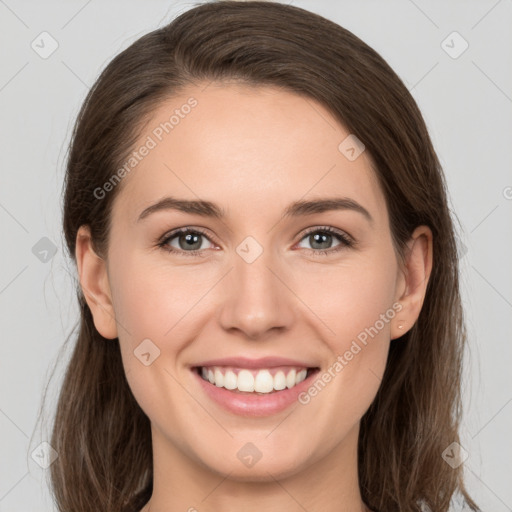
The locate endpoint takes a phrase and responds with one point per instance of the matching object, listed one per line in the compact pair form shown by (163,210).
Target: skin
(253,151)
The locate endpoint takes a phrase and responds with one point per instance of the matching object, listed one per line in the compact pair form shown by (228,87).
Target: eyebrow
(295,209)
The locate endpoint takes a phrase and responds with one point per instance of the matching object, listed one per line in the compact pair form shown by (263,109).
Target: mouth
(254,388)
(255,381)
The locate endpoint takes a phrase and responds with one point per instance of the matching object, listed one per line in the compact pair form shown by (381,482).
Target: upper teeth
(260,381)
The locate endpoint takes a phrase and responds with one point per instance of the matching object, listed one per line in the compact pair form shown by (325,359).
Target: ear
(413,280)
(92,271)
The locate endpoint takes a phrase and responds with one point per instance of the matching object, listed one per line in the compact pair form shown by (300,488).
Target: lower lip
(251,404)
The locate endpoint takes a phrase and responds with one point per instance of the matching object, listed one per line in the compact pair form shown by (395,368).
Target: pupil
(191,239)
(321,238)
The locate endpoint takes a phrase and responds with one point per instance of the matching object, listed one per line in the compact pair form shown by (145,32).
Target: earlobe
(95,285)
(414,281)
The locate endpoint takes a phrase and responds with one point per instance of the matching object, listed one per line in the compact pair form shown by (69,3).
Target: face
(299,301)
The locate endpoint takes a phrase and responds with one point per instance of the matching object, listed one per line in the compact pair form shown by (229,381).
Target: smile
(265,380)
(254,387)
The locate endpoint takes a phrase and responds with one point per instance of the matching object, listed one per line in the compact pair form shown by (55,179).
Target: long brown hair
(102,436)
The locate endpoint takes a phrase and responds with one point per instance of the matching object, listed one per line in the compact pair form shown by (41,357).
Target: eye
(189,242)
(184,241)
(321,239)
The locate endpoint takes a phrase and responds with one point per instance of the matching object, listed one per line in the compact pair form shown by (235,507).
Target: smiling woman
(270,309)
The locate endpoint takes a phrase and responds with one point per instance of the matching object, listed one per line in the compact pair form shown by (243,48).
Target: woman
(269,293)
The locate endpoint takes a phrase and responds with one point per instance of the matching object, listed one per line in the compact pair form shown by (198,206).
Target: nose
(258,301)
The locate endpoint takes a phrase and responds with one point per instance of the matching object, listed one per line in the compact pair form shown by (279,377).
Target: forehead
(249,149)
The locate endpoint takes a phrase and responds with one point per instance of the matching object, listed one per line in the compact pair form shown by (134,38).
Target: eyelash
(346,241)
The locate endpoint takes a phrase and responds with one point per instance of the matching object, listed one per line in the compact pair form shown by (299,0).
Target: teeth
(219,378)
(258,381)
(245,381)
(300,376)
(279,381)
(290,379)
(230,380)
(264,382)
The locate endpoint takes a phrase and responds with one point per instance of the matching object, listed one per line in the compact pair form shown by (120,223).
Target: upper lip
(263,362)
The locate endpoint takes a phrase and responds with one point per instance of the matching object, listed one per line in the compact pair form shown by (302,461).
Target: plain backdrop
(464,93)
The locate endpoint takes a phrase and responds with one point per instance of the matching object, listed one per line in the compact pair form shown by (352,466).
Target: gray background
(466,102)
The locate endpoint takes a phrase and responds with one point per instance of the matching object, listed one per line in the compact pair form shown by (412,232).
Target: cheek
(351,297)
(156,301)
(151,305)
(159,311)
(356,302)
(152,299)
